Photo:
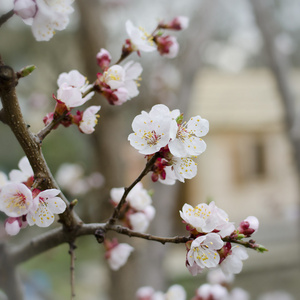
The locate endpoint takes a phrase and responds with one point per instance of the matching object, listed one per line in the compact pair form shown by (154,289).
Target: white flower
(188,141)
(46,204)
(114,77)
(184,168)
(175,292)
(139,38)
(24,173)
(73,78)
(15,199)
(212,291)
(126,77)
(46,17)
(203,251)
(152,130)
(233,264)
(206,218)
(198,217)
(89,119)
(118,255)
(139,222)
(71,86)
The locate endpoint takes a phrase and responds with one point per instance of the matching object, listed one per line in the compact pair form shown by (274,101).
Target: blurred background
(238,67)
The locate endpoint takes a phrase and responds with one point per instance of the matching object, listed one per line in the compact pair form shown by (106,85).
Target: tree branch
(6,16)
(30,143)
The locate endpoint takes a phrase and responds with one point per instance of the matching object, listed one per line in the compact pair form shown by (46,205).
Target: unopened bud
(26,71)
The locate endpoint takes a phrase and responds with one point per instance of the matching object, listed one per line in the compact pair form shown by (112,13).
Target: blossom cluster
(177,142)
(74,91)
(119,84)
(26,205)
(141,40)
(208,226)
(137,213)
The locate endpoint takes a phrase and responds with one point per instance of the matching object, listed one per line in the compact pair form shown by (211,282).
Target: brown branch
(146,170)
(6,16)
(163,240)
(29,142)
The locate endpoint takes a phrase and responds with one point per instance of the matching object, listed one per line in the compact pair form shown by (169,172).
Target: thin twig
(162,240)
(72,268)
(146,170)
(47,129)
(6,16)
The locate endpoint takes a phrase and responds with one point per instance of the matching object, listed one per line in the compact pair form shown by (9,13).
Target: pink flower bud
(249,226)
(178,23)
(25,8)
(103,58)
(167,46)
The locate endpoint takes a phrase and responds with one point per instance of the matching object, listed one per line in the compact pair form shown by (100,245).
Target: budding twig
(146,170)
(6,16)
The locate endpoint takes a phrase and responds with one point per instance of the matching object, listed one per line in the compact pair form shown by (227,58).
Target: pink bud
(103,59)
(249,226)
(12,226)
(25,8)
(178,23)
(167,46)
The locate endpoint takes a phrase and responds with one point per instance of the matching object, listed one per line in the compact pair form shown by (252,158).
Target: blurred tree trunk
(279,65)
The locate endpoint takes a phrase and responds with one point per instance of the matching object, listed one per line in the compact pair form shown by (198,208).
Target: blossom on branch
(139,39)
(46,204)
(44,16)
(232,264)
(117,254)
(152,130)
(15,199)
(89,119)
(119,84)
(203,251)
(72,85)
